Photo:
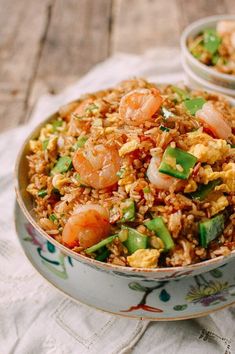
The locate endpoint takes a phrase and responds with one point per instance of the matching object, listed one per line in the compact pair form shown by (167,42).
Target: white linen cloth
(34,317)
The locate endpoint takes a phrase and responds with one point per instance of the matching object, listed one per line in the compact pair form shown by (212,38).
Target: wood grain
(77,39)
(138,25)
(193,10)
(22,26)
(230,6)
(46,45)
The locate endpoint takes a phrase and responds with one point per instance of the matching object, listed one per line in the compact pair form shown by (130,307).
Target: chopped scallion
(42,193)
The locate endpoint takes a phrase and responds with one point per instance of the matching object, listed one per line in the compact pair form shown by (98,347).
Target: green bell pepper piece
(100,244)
(210,229)
(62,165)
(184,160)
(135,240)
(211,40)
(128,211)
(158,226)
(194,104)
(204,189)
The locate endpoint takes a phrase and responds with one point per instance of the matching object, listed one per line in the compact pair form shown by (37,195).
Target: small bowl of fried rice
(208,51)
(136,180)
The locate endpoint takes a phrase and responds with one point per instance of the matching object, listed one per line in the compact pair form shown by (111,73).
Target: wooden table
(47,44)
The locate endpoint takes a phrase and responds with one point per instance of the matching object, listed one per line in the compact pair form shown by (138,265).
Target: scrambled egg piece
(128,147)
(52,144)
(59,180)
(198,137)
(34,145)
(144,258)
(220,204)
(227,175)
(191,186)
(215,150)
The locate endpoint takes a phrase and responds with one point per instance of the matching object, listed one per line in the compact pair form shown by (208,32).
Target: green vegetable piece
(128,211)
(215,58)
(197,55)
(158,226)
(166,113)
(194,104)
(53,217)
(184,162)
(184,95)
(103,255)
(100,244)
(211,40)
(56,124)
(204,189)
(135,240)
(210,229)
(92,107)
(42,193)
(164,129)
(80,142)
(146,190)
(45,144)
(62,165)
(121,172)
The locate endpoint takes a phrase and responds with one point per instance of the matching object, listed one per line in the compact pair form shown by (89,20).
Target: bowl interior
(26,204)
(191,31)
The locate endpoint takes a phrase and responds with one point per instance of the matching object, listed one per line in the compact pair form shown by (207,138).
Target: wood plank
(139,25)
(230,6)
(78,38)
(192,10)
(22,25)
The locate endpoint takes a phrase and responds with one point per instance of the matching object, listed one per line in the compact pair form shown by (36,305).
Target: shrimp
(224,27)
(81,108)
(138,106)
(214,120)
(97,165)
(87,226)
(158,179)
(75,123)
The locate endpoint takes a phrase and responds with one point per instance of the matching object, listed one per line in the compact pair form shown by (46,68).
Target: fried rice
(191,221)
(216,47)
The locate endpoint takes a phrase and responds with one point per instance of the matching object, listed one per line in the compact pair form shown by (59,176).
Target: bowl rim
(181,270)
(209,86)
(183,44)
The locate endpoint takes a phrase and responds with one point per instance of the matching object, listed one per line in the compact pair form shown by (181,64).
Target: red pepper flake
(196,169)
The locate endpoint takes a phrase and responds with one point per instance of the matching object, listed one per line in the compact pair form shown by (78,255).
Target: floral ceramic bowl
(141,297)
(26,205)
(199,69)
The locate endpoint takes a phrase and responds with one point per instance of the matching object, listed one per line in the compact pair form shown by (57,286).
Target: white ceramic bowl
(199,69)
(26,205)
(196,81)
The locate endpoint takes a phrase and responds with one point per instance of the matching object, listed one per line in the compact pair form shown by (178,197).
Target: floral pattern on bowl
(147,299)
